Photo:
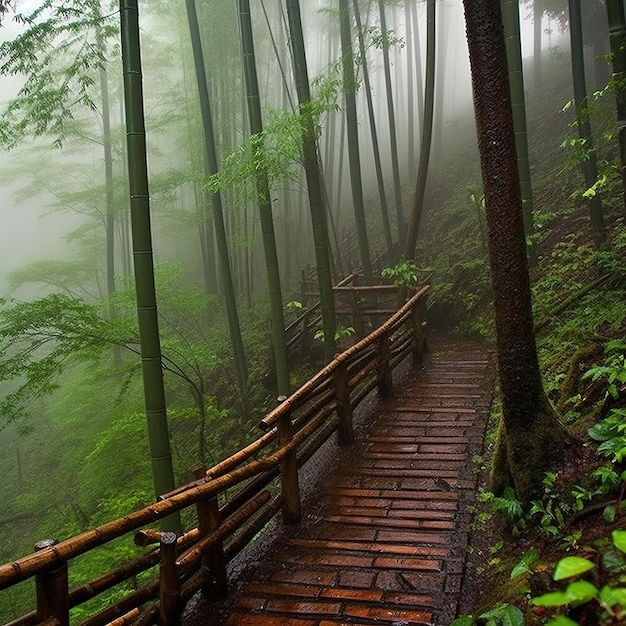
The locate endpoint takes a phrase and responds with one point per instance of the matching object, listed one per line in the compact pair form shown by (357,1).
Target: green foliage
(613,370)
(377,38)
(610,597)
(526,563)
(59,53)
(341,332)
(277,151)
(404,273)
(500,615)
(39,339)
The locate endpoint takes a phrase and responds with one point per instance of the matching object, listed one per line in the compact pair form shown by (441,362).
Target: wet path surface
(384,535)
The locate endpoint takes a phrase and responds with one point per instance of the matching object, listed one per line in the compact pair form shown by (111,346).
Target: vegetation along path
(384,535)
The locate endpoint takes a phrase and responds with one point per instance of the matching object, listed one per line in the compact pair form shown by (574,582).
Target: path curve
(384,536)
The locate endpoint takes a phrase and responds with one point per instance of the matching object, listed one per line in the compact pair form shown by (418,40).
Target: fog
(37,233)
(57,199)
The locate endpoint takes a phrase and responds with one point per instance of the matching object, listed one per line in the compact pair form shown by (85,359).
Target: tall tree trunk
(108,168)
(589,164)
(537,36)
(349,88)
(440,61)
(154,392)
(410,89)
(313,178)
(419,87)
(372,119)
(510,15)
(279,340)
(393,139)
(427,134)
(234,327)
(530,433)
(617,30)
(108,182)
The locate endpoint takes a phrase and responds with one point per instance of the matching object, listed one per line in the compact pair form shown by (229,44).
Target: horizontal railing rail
(234,500)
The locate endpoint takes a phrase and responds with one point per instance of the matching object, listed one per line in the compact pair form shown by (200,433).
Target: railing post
(358,317)
(345,431)
(169,583)
(52,590)
(213,560)
(305,340)
(303,285)
(288,471)
(418,316)
(385,378)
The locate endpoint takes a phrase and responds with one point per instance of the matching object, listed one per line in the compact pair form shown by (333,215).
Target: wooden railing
(234,500)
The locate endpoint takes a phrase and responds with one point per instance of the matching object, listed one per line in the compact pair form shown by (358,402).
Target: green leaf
(529,558)
(561,620)
(619,539)
(507,614)
(512,616)
(612,596)
(554,598)
(609,513)
(571,566)
(581,592)
(463,620)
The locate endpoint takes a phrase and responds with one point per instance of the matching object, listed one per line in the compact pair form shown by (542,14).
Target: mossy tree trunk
(531,433)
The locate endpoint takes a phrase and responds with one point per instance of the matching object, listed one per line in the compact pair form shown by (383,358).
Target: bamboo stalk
(128,618)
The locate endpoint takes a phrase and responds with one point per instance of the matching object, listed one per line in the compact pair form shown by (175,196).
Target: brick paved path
(383,540)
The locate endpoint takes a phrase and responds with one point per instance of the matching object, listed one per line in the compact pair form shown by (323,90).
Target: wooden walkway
(384,536)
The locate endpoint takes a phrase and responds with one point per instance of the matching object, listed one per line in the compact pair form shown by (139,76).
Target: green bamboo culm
(617,33)
(152,370)
(234,326)
(589,164)
(427,135)
(356,181)
(510,19)
(313,177)
(393,140)
(380,179)
(279,340)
